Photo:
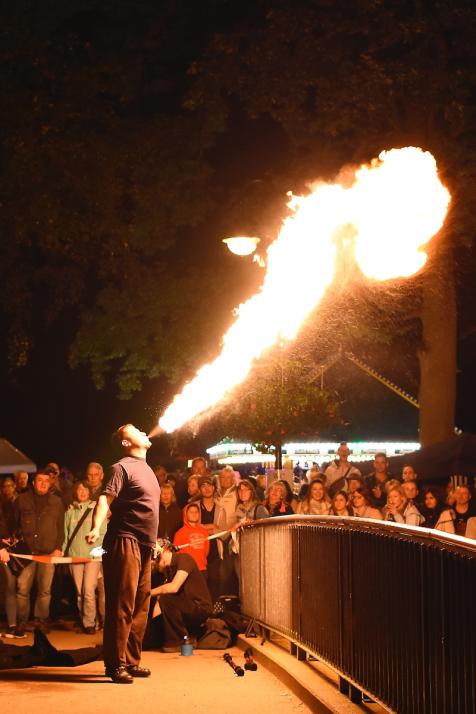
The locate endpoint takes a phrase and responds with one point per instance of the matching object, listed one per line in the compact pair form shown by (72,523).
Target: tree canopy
(135,134)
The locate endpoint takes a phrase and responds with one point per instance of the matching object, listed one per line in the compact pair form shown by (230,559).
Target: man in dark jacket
(40,520)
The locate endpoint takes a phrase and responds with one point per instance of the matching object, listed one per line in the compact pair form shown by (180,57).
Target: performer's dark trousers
(180,617)
(126,568)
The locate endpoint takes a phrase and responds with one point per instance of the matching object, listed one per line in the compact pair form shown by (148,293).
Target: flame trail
(395,206)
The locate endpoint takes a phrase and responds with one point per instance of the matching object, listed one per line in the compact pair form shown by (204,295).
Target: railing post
(343,686)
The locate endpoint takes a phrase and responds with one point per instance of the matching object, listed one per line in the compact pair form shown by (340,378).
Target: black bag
(227,602)
(236,623)
(217,636)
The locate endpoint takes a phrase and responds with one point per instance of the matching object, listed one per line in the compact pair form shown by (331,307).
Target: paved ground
(200,684)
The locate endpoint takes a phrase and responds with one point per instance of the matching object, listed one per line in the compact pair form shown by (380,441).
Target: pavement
(199,684)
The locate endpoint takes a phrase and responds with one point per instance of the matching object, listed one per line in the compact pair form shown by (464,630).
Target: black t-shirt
(195,587)
(208,517)
(135,509)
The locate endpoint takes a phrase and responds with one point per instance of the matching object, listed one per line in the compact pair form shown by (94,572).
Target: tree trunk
(437,357)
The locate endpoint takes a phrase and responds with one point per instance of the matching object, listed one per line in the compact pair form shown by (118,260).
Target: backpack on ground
(216,636)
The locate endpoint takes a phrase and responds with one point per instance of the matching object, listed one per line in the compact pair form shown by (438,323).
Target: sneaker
(89,630)
(10,632)
(19,633)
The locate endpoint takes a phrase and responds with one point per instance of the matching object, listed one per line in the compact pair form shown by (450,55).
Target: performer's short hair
(118,435)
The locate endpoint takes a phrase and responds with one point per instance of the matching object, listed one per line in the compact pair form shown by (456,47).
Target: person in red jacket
(195,535)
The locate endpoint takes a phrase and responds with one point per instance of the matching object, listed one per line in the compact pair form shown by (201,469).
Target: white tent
(12,459)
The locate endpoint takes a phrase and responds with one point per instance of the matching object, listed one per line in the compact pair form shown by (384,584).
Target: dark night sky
(54,413)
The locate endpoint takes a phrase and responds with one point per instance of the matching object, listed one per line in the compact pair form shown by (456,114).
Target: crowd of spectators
(200,511)
(49,515)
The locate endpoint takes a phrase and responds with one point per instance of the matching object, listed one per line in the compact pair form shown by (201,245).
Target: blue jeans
(42,574)
(85,576)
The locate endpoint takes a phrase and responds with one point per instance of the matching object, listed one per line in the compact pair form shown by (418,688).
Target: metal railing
(391,608)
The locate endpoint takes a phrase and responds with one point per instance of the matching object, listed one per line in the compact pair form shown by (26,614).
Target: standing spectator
(8,496)
(227,494)
(436,513)
(160,474)
(353,483)
(362,505)
(132,494)
(193,490)
(410,489)
(170,514)
(462,508)
(94,478)
(399,510)
(62,490)
(291,499)
(408,473)
(316,502)
(22,483)
(227,498)
(377,480)
(248,507)
(39,518)
(275,502)
(7,533)
(340,505)
(199,466)
(77,524)
(193,536)
(339,470)
(188,491)
(213,519)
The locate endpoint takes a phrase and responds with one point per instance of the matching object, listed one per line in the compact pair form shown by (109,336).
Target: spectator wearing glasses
(362,505)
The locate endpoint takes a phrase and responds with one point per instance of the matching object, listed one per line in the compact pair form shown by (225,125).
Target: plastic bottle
(186,650)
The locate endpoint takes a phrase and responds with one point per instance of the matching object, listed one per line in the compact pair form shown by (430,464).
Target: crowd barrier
(390,608)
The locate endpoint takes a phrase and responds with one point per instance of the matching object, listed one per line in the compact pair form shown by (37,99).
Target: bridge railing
(391,608)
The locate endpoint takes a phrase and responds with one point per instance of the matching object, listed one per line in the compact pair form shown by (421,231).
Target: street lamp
(241,245)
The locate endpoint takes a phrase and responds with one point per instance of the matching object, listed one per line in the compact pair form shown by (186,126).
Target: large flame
(395,206)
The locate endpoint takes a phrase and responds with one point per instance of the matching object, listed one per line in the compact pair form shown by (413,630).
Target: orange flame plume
(395,205)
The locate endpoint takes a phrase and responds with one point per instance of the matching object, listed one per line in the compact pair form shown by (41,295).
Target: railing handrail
(375,524)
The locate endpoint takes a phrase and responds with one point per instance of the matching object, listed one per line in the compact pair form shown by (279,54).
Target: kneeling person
(183,602)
